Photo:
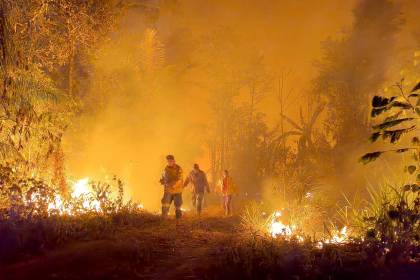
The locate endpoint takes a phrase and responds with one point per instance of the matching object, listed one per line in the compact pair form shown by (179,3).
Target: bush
(262,258)
(31,221)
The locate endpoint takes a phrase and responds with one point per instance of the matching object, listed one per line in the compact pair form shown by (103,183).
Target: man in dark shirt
(198,179)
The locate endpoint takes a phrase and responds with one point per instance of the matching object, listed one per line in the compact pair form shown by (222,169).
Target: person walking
(198,179)
(172,182)
(227,188)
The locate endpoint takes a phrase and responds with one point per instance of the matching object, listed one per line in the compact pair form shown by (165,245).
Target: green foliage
(369,157)
(411,169)
(390,215)
(388,124)
(254,220)
(262,258)
(391,108)
(23,197)
(379,101)
(39,40)
(28,225)
(33,236)
(394,214)
(415,88)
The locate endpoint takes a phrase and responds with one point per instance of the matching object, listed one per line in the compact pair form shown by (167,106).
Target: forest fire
(254,156)
(81,194)
(80,187)
(339,237)
(277,228)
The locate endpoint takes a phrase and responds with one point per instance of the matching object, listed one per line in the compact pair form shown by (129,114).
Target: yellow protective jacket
(172,179)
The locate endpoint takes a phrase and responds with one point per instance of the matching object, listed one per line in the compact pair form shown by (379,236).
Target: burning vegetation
(275,168)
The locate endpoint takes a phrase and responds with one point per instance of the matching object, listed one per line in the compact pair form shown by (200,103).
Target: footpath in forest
(158,250)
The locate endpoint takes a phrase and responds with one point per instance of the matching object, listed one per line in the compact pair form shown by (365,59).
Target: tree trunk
(70,70)
(3,48)
(59,178)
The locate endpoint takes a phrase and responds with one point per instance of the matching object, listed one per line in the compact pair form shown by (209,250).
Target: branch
(401,88)
(289,120)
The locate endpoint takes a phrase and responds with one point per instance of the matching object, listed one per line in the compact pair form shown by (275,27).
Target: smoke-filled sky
(152,83)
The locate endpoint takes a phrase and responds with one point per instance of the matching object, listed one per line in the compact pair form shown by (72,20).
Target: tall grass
(255,220)
(391,213)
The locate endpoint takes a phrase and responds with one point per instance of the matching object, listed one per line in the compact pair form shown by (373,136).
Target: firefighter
(198,179)
(227,188)
(173,185)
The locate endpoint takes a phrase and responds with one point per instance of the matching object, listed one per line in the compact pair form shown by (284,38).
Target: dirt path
(194,246)
(165,250)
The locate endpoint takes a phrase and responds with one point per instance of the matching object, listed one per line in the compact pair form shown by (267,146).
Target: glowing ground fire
(278,229)
(82,194)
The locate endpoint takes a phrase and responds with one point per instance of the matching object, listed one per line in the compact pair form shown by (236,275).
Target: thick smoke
(150,91)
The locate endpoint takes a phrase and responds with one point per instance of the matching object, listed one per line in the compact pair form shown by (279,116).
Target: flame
(339,237)
(56,205)
(80,192)
(319,245)
(277,228)
(81,187)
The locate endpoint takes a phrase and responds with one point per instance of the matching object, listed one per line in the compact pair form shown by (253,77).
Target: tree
(33,113)
(353,67)
(305,131)
(400,117)
(78,27)
(219,61)
(37,38)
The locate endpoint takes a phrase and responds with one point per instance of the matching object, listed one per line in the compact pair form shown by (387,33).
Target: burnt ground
(210,247)
(163,249)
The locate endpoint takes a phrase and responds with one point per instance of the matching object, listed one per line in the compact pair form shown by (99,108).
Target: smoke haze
(151,85)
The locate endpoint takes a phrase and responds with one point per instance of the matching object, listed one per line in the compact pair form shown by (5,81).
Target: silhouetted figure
(173,186)
(227,188)
(200,184)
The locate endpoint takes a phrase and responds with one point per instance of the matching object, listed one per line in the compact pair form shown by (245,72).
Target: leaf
(415,141)
(414,95)
(402,150)
(379,101)
(418,111)
(411,169)
(395,135)
(400,104)
(393,117)
(393,214)
(369,157)
(415,188)
(391,123)
(416,87)
(289,120)
(418,177)
(377,111)
(374,136)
